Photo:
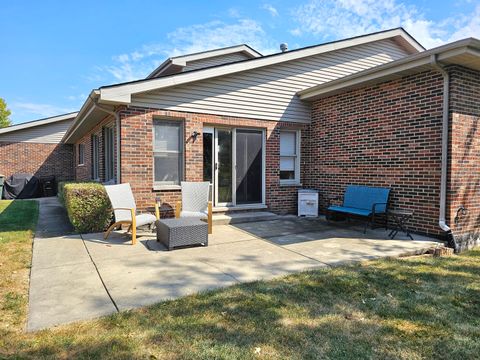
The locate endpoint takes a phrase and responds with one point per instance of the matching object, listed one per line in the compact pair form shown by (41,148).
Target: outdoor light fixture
(195,135)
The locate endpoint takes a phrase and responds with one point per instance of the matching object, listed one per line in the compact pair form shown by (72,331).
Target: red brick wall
(137,154)
(38,159)
(383,135)
(464,185)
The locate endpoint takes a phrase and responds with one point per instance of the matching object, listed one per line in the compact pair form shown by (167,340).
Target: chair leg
(210,217)
(109,230)
(134,235)
(134,227)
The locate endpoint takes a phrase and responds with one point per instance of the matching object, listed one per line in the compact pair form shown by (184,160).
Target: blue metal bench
(363,201)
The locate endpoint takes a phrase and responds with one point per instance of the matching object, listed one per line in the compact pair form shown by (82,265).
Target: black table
(400,219)
(181,232)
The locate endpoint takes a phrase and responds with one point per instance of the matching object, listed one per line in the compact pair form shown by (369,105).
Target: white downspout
(117,135)
(442,222)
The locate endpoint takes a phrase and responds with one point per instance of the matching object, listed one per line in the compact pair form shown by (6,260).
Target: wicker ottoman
(182,232)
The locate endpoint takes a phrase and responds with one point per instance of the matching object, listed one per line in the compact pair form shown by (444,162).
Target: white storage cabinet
(307,202)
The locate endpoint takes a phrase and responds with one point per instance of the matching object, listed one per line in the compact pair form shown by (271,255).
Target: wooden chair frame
(178,210)
(132,224)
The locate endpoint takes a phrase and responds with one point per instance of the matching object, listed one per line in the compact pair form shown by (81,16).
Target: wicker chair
(124,208)
(195,202)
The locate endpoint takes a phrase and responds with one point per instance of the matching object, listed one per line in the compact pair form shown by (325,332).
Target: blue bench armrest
(374,210)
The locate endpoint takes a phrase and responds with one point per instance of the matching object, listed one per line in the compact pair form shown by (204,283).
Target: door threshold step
(242,217)
(225,209)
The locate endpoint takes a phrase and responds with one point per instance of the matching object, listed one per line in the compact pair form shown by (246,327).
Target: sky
(53,53)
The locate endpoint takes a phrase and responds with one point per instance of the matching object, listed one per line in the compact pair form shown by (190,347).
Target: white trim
(182,60)
(122,93)
(444,53)
(164,185)
(298,147)
(39,122)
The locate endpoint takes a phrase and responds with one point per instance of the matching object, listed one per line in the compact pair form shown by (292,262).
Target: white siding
(269,93)
(216,60)
(48,134)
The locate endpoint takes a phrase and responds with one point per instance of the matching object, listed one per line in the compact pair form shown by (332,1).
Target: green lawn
(17,223)
(411,308)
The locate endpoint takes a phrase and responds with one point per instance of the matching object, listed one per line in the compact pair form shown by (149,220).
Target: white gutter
(442,221)
(117,134)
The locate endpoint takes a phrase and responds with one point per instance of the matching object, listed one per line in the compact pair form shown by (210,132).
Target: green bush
(61,188)
(88,206)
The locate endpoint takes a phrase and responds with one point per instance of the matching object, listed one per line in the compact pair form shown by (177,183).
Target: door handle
(216,166)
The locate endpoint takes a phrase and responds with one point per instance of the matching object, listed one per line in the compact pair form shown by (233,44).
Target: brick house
(376,109)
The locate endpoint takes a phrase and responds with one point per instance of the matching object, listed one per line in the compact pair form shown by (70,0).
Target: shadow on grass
(18,215)
(406,308)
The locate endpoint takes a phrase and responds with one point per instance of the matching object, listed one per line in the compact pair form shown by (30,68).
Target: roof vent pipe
(284,47)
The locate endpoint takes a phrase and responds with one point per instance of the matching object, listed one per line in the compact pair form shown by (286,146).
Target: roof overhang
(176,64)
(122,93)
(88,117)
(463,52)
(39,122)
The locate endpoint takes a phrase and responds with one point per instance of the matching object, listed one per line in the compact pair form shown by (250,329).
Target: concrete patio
(77,277)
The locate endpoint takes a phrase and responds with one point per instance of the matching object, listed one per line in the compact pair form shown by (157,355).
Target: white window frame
(296,157)
(81,154)
(167,185)
(108,134)
(95,157)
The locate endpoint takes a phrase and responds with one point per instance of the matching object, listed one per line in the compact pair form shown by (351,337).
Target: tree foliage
(4,114)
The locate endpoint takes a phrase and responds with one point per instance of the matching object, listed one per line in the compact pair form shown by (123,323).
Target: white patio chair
(195,202)
(124,209)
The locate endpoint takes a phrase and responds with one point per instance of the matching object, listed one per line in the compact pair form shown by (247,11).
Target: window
(108,153)
(289,157)
(81,154)
(168,152)
(95,157)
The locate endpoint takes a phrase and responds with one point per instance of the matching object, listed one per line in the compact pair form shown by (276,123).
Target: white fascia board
(182,60)
(122,93)
(34,123)
(443,53)
(86,110)
(213,53)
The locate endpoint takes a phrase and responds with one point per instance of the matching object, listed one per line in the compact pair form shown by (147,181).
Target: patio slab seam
(266,238)
(100,275)
(219,269)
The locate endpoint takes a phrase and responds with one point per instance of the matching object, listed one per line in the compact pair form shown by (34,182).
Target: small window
(289,156)
(95,157)
(108,153)
(81,154)
(168,152)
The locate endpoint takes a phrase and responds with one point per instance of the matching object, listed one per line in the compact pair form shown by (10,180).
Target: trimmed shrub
(88,206)
(61,187)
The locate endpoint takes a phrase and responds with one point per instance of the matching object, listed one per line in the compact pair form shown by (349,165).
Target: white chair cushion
(195,195)
(200,214)
(144,219)
(121,196)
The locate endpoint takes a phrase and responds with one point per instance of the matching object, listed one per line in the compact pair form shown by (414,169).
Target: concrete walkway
(77,277)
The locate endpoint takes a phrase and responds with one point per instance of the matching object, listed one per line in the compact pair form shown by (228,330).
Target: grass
(17,223)
(410,308)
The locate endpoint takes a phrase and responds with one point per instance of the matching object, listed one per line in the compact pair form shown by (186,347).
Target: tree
(4,114)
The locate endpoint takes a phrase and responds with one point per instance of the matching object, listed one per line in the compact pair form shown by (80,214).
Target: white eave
(175,64)
(463,52)
(39,122)
(121,93)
